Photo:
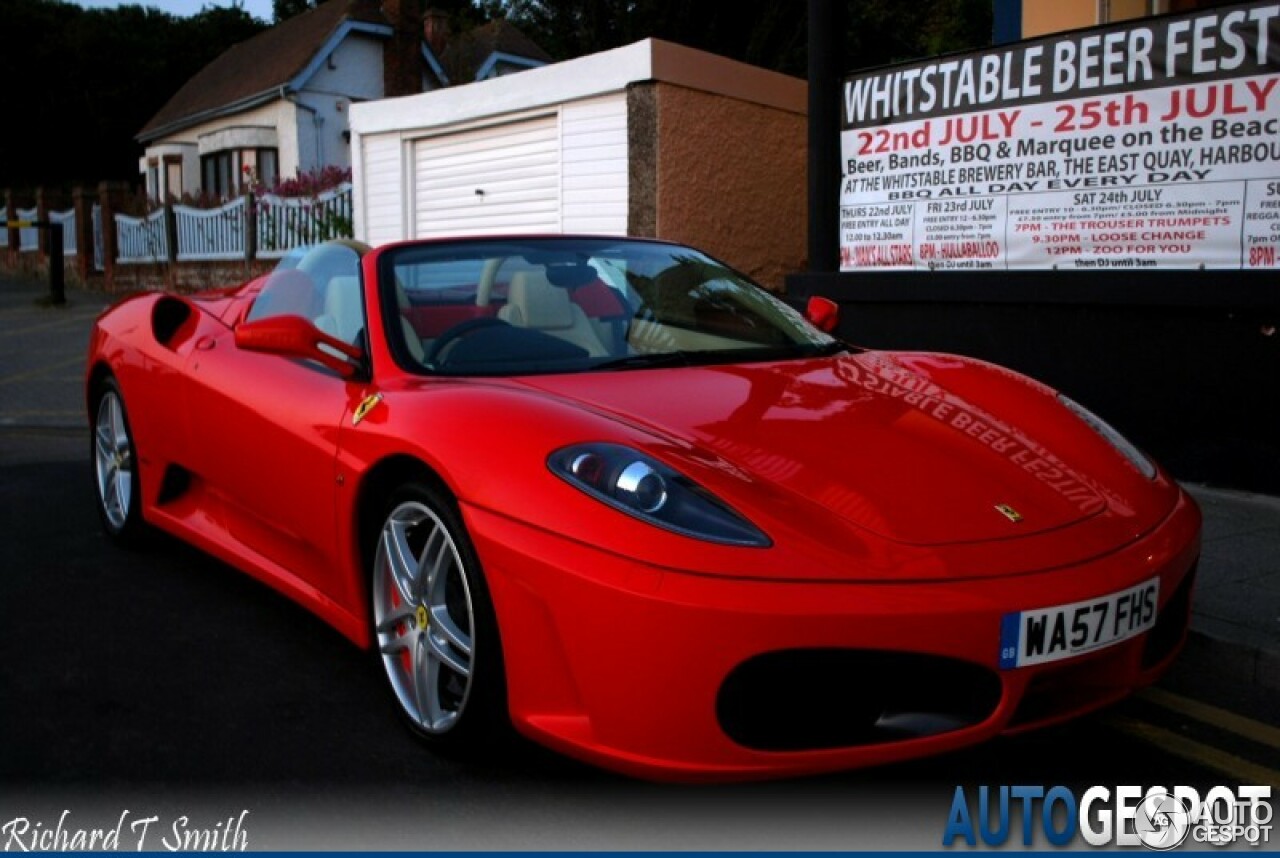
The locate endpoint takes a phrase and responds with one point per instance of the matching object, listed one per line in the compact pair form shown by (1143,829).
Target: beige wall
(730,180)
(1124,10)
(1052,16)
(278,114)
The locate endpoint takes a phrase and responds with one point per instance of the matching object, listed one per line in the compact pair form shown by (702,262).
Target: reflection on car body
(610,493)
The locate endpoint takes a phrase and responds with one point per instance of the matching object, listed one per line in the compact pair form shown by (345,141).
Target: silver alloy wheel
(113,458)
(424,617)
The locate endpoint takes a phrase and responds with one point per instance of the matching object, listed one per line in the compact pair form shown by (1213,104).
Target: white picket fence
(288,222)
(68,221)
(142,239)
(211,234)
(29,238)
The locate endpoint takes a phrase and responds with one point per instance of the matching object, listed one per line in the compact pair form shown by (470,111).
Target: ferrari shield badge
(366,405)
(1009,512)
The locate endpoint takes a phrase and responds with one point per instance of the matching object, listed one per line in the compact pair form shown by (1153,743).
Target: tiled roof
(258,66)
(468,51)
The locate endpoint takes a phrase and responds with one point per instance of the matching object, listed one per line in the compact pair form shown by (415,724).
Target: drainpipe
(317,122)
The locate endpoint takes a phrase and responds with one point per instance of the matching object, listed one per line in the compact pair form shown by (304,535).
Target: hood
(877,444)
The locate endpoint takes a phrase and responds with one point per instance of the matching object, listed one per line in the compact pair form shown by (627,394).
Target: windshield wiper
(679,358)
(643,361)
(834,347)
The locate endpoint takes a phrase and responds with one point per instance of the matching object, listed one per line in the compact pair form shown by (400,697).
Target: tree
(284,9)
(885,31)
(80,83)
(762,32)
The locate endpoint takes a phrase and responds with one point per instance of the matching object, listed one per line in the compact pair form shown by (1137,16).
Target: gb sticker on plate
(1063,631)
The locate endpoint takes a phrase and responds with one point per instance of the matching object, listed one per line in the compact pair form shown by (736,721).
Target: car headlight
(1135,456)
(646,489)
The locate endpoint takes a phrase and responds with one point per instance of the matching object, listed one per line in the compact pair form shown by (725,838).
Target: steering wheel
(484,289)
(436,355)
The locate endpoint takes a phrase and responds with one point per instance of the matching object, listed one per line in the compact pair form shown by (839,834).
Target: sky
(256,8)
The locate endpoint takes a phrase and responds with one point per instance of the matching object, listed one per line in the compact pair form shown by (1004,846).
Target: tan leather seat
(534,303)
(411,338)
(344,314)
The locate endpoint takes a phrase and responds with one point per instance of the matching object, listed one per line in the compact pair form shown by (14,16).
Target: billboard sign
(1155,144)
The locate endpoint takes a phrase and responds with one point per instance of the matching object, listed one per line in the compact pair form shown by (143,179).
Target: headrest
(342,302)
(535,303)
(343,294)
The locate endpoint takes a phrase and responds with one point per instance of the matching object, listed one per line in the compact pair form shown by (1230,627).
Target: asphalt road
(164,682)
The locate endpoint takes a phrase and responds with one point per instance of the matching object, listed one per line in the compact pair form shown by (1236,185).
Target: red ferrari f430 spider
(613,494)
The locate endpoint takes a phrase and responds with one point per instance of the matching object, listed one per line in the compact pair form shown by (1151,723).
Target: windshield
(524,306)
(322,285)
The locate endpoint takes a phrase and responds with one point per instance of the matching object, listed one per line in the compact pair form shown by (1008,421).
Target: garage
(488,181)
(651,139)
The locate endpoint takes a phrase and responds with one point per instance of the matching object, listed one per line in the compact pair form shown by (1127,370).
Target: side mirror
(294,336)
(822,313)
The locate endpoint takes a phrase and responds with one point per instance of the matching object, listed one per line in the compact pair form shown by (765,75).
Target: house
(495,49)
(277,104)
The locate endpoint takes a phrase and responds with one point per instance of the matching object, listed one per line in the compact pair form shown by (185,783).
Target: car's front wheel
(435,629)
(115,461)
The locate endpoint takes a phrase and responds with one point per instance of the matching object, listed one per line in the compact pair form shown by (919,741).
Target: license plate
(1063,631)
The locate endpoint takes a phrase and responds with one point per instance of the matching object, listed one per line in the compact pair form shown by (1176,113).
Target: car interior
(520,316)
(525,312)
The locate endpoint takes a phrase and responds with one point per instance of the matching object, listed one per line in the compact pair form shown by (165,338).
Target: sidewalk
(1235,609)
(42,351)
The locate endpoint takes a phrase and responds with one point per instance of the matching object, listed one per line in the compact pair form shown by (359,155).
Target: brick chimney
(435,29)
(402,53)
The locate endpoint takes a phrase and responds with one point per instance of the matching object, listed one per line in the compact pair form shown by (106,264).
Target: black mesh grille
(808,699)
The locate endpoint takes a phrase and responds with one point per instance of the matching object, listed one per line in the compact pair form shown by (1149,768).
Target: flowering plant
(311,183)
(303,210)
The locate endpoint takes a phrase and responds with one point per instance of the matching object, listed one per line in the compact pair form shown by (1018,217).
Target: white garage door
(502,179)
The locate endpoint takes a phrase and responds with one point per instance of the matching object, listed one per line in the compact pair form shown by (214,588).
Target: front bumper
(624,665)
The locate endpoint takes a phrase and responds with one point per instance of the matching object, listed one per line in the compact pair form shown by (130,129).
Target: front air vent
(811,699)
(168,317)
(175,483)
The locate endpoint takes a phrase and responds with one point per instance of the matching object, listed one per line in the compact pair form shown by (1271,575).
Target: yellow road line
(39,371)
(1255,731)
(1197,752)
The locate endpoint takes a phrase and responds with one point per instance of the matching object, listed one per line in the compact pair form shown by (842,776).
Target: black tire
(425,628)
(115,467)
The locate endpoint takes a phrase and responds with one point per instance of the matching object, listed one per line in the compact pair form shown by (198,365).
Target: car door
(264,428)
